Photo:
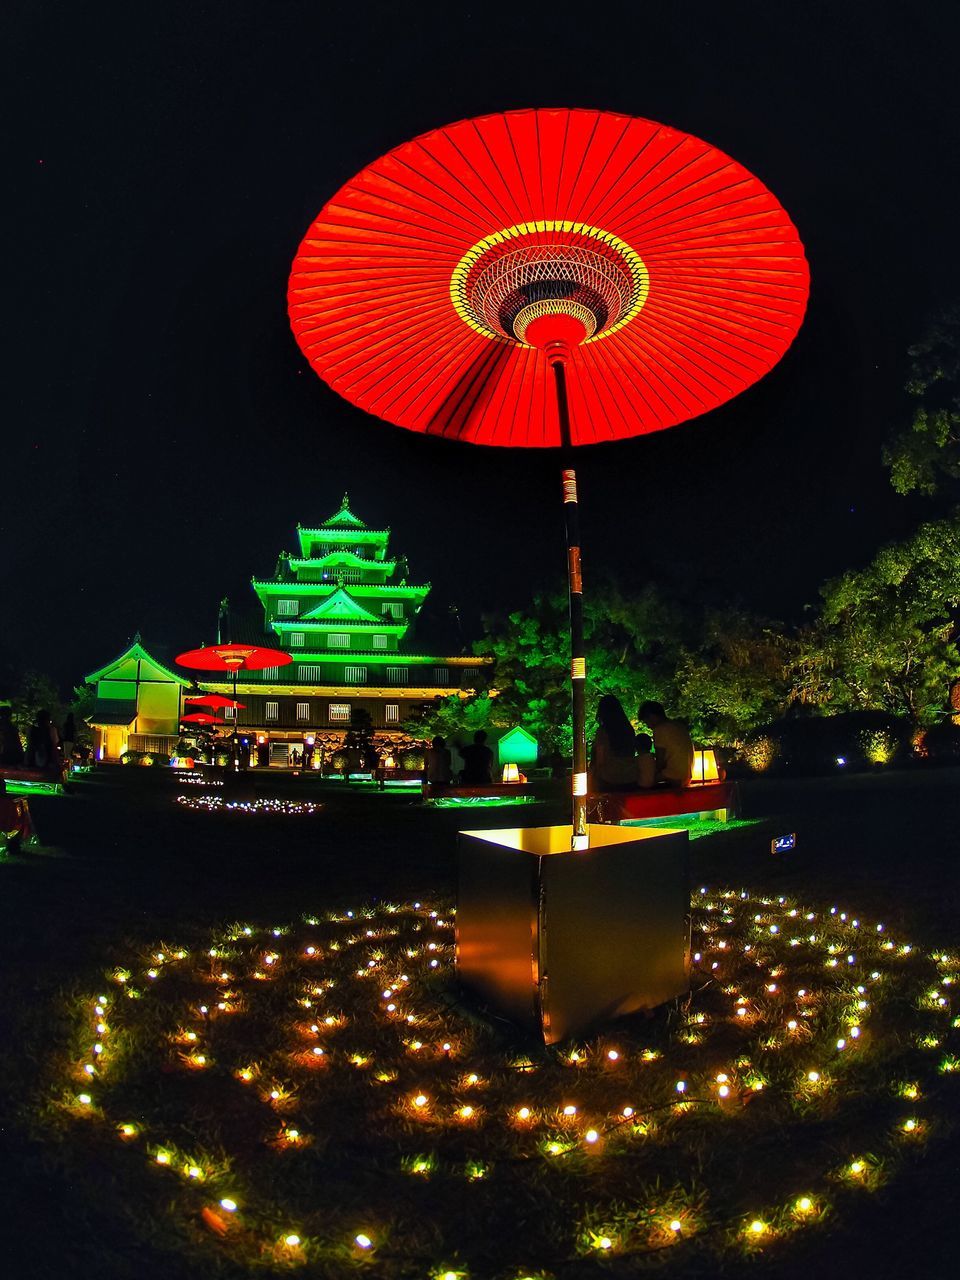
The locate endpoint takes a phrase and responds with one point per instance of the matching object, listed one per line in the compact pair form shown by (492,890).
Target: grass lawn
(124,869)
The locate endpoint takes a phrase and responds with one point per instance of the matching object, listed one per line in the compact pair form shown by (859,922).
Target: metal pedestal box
(559,941)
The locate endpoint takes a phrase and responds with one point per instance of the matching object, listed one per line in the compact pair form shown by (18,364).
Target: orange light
(705,767)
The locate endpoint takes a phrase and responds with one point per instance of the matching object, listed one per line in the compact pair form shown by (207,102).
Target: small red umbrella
(201,717)
(235,658)
(215,700)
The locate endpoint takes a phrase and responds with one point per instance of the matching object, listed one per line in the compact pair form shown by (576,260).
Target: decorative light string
(219,804)
(355,1042)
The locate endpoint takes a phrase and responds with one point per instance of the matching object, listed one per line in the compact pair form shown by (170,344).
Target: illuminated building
(139,704)
(342,605)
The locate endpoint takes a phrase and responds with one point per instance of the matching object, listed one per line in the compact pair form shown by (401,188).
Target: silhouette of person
(43,744)
(11,748)
(672,744)
(438,766)
(646,761)
(477,761)
(613,763)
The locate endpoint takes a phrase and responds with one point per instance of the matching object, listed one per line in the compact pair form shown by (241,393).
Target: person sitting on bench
(613,761)
(646,762)
(477,762)
(672,744)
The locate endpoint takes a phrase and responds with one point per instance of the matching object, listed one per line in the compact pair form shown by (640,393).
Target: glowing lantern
(705,765)
(511,773)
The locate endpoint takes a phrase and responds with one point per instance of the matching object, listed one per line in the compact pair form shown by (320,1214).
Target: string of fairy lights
(262,805)
(341,1041)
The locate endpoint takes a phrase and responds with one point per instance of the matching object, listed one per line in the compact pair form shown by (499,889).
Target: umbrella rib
(587,197)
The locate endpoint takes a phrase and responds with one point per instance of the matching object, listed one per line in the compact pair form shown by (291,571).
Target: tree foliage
(925,456)
(886,636)
(736,676)
(33,692)
(723,670)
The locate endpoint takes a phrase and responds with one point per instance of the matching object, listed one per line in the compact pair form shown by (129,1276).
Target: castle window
(398,675)
(392,610)
(309,674)
(270,673)
(229,713)
(303,710)
(355,675)
(443,675)
(379,642)
(271,710)
(288,608)
(391,712)
(339,712)
(337,640)
(297,639)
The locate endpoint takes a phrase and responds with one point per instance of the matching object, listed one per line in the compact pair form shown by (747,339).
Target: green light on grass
(24,788)
(479,802)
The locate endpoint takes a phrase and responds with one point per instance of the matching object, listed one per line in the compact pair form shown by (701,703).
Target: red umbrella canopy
(233,657)
(420,291)
(215,700)
(200,717)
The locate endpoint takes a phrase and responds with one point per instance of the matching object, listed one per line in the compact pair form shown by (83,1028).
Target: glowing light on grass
(754,981)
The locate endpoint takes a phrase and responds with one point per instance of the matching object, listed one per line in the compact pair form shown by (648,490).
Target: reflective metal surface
(559,942)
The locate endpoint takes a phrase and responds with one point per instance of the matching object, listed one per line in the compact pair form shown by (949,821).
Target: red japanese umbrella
(654,275)
(231,657)
(201,717)
(215,700)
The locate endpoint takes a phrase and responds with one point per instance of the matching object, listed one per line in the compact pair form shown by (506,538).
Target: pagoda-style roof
(133,660)
(341,606)
(341,535)
(292,586)
(342,526)
(343,557)
(344,517)
(112,711)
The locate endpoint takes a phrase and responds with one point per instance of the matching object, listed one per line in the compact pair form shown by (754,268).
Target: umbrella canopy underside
(412,290)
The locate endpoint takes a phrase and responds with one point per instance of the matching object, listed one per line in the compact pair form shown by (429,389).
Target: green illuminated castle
(342,606)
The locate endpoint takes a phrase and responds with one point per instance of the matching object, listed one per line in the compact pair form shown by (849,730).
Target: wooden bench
(718,800)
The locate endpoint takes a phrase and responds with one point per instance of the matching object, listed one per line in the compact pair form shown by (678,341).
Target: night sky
(163,433)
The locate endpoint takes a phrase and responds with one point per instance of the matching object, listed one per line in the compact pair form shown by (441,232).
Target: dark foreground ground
(121,862)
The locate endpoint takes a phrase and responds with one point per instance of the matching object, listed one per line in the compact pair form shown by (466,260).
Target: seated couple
(621,760)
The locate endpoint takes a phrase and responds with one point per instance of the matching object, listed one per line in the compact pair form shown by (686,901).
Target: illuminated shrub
(412,759)
(759,753)
(824,744)
(879,746)
(338,762)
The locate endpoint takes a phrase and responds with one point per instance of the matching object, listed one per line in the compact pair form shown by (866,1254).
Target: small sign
(781,844)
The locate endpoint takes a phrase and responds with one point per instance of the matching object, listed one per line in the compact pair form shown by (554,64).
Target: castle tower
(342,606)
